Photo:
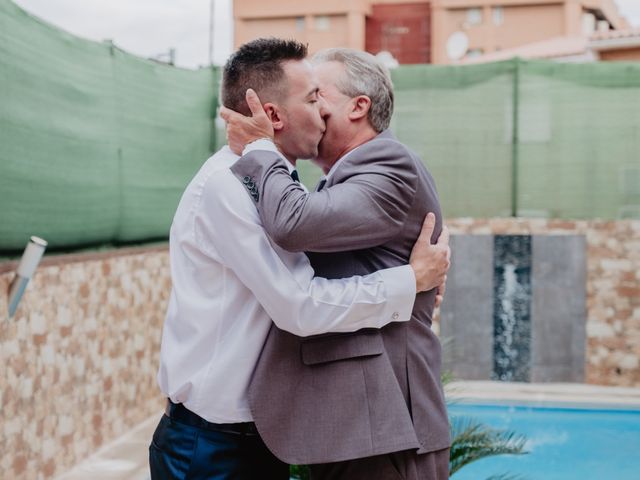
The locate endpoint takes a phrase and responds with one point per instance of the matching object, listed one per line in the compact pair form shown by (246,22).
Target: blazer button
(250,185)
(395,315)
(246,179)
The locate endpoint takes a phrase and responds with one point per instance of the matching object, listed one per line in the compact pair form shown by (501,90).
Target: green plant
(472,441)
(299,472)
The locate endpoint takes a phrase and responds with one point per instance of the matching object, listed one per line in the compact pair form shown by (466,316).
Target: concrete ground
(576,394)
(126,457)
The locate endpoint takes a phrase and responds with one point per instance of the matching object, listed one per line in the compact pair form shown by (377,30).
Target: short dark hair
(258,65)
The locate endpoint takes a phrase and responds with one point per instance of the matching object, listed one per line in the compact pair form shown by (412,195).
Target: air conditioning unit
(629,212)
(630,180)
(588,23)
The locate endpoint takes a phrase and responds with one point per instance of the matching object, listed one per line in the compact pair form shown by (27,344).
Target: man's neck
(360,137)
(290,159)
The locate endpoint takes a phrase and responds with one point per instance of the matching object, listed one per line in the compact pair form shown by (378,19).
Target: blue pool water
(563,443)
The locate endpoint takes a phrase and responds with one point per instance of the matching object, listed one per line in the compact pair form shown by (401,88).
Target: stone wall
(79,358)
(515,308)
(613,288)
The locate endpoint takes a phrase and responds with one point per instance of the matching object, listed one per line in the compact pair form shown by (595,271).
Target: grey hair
(364,75)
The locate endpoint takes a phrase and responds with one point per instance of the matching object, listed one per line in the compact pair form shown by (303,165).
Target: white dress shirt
(230,282)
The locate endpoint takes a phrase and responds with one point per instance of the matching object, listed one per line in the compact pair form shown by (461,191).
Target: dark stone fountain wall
(512,308)
(515,308)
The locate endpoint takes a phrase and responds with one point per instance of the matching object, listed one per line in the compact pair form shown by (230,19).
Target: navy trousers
(184,452)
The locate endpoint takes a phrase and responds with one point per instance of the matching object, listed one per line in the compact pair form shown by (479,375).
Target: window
(474,16)
(323,23)
(498,16)
(588,23)
(300,24)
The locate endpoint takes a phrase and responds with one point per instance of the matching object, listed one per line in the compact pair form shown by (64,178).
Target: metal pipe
(515,138)
(211,30)
(26,268)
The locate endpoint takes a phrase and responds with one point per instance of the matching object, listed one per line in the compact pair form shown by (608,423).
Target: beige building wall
(341,23)
(330,23)
(496,25)
(521,24)
(321,24)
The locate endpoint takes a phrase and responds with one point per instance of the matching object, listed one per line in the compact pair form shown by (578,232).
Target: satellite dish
(457,45)
(387,59)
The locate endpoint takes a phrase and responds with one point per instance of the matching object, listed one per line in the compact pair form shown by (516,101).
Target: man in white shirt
(230,282)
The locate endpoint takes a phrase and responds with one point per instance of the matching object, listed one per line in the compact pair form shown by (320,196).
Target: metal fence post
(515,137)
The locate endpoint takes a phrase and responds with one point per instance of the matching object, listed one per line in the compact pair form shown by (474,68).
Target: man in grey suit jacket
(367,404)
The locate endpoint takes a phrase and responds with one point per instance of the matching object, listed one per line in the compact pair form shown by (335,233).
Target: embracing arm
(228,229)
(367,208)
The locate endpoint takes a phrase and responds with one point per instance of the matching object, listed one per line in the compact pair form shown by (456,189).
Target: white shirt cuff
(268,145)
(400,286)
(261,144)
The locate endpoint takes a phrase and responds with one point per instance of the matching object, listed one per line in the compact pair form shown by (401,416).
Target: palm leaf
(473,441)
(505,476)
(299,472)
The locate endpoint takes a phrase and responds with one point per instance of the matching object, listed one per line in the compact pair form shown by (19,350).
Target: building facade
(488,26)
(418,31)
(402,27)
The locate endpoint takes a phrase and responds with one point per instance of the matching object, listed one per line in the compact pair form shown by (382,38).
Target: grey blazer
(335,397)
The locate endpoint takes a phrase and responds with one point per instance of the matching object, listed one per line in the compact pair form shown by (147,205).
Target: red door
(404,29)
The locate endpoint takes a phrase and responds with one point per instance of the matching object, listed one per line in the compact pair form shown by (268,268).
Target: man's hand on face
(430,263)
(243,130)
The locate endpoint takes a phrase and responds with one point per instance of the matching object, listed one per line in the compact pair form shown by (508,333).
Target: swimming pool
(564,443)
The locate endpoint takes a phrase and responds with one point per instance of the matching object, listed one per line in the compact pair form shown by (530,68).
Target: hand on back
(431,262)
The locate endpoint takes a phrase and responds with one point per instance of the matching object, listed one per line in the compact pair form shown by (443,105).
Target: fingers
(439,299)
(225,113)
(254,102)
(443,287)
(229,115)
(427,229)
(444,235)
(443,239)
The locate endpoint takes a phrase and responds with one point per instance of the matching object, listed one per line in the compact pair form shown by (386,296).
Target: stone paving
(126,458)
(123,459)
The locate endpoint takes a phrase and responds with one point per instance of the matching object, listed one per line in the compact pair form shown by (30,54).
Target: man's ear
(361,106)
(274,114)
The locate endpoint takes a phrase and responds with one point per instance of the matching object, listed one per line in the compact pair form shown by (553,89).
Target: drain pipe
(27,267)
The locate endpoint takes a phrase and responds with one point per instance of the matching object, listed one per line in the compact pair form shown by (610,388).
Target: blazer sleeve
(366,206)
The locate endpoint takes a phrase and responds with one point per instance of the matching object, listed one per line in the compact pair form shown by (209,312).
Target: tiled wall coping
(64,258)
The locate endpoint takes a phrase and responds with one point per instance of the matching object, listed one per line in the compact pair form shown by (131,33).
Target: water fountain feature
(512,312)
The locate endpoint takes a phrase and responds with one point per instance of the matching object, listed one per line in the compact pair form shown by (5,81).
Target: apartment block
(416,31)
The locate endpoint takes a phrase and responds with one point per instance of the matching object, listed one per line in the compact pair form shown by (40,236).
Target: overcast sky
(145,27)
(151,27)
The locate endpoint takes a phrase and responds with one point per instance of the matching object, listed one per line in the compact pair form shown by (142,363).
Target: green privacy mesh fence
(540,139)
(527,138)
(96,145)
